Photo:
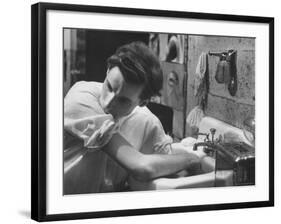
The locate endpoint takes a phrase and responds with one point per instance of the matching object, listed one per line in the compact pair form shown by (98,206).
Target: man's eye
(109,86)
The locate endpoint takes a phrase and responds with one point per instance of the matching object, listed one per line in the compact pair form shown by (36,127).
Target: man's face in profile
(118,97)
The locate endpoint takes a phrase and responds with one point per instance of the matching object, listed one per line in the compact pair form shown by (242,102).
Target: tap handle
(213,131)
(219,139)
(207,138)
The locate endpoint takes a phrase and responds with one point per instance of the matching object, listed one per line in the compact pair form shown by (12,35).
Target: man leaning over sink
(111,119)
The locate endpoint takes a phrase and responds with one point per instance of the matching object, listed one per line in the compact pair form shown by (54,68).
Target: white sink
(205,177)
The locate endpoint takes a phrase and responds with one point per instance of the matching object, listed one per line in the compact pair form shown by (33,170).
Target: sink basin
(208,176)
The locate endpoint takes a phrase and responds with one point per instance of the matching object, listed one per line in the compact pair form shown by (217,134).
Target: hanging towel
(195,116)
(200,73)
(201,81)
(193,120)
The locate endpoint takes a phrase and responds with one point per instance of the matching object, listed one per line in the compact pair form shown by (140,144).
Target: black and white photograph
(140,112)
(157,111)
(135,111)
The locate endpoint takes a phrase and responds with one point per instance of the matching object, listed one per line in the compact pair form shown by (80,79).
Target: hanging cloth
(200,72)
(195,116)
(201,80)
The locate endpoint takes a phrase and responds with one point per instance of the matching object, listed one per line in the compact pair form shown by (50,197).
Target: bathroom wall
(174,71)
(221,105)
(173,95)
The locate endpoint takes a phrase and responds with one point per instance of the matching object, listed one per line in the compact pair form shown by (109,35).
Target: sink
(205,177)
(210,175)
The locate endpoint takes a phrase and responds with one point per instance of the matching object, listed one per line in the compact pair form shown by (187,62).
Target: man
(131,143)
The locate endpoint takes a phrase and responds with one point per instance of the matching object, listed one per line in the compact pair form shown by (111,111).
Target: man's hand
(101,136)
(195,157)
(194,166)
(178,148)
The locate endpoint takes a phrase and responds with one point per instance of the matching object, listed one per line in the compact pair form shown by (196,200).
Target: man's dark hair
(139,65)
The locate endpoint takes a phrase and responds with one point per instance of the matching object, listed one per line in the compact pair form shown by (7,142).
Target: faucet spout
(212,147)
(206,144)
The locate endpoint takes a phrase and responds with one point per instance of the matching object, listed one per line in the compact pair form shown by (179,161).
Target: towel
(193,120)
(90,128)
(200,72)
(201,81)
(195,116)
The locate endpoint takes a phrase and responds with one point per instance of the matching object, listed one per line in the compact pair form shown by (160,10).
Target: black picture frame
(39,109)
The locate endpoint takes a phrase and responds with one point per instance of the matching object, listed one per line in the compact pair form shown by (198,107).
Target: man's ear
(143,103)
(107,71)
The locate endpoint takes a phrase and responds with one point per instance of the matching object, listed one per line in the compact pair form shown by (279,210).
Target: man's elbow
(143,173)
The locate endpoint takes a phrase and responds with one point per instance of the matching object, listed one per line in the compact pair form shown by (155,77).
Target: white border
(57,204)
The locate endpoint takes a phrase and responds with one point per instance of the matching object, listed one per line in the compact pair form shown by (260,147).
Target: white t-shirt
(142,129)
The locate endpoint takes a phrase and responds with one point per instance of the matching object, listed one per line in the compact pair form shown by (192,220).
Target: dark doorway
(102,44)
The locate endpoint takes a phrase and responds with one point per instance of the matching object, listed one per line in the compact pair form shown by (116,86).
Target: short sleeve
(143,130)
(156,137)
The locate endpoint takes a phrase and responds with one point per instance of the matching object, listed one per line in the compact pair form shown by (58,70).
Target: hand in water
(194,166)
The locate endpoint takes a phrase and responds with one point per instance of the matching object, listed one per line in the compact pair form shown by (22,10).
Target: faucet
(239,158)
(210,145)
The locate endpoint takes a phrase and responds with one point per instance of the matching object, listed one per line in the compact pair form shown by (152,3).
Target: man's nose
(109,100)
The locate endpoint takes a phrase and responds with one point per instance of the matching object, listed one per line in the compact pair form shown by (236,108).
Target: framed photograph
(138,111)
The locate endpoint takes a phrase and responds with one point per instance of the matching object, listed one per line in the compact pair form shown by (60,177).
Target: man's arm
(202,177)
(145,167)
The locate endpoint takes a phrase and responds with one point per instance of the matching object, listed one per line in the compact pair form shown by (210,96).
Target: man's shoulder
(82,100)
(86,86)
(144,114)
